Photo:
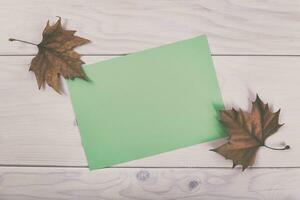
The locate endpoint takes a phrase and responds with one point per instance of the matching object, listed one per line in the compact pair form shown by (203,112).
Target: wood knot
(142,175)
(193,184)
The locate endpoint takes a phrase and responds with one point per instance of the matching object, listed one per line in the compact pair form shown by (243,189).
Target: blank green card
(147,103)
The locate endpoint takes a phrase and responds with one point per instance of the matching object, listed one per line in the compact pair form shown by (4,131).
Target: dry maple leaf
(56,56)
(248,132)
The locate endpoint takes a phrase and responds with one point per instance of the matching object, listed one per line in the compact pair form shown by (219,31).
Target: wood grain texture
(148,184)
(38,127)
(123,26)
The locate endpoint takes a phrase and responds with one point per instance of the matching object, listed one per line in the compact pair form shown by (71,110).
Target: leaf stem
(283,148)
(13,39)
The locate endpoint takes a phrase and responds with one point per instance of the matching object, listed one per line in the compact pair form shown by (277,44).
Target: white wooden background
(256,49)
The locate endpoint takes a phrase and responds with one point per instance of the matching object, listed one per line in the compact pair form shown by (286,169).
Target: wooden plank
(148,184)
(118,26)
(38,127)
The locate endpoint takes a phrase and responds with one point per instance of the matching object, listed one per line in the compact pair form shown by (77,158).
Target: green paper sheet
(147,103)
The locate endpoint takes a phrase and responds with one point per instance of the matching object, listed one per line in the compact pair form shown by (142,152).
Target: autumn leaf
(248,132)
(56,56)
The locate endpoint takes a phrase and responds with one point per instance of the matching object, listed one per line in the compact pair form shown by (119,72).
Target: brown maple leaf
(56,56)
(248,132)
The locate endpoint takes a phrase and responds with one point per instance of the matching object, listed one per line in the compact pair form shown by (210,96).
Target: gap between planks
(137,167)
(124,54)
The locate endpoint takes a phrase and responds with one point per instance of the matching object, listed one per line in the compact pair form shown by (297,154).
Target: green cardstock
(147,103)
